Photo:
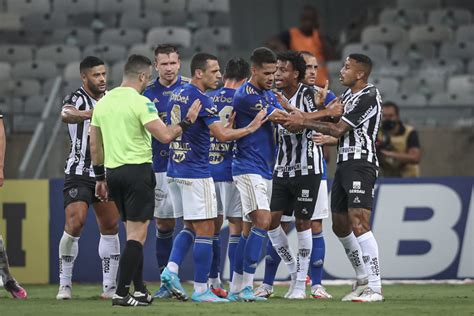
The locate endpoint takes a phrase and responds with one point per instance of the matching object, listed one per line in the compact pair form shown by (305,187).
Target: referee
(120,141)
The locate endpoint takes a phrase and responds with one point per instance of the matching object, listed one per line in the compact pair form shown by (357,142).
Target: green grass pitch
(439,299)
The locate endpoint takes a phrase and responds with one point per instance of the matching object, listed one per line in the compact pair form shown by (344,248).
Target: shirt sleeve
(413,141)
(74,100)
(329,98)
(209,111)
(146,110)
(363,110)
(308,100)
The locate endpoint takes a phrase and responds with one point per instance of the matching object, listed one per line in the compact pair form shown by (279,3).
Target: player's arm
(321,139)
(225,134)
(2,150)
(167,133)
(70,114)
(333,109)
(97,157)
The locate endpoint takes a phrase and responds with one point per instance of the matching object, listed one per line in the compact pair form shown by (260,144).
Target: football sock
(138,276)
(317,258)
(305,245)
(233,243)
(202,255)
(354,254)
(280,243)
(68,251)
(237,277)
(253,249)
(129,261)
(370,255)
(163,245)
(181,245)
(272,261)
(216,257)
(109,253)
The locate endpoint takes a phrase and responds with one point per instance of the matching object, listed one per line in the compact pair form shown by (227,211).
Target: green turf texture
(400,300)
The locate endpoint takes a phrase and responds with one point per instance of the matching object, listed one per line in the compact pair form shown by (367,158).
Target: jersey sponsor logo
(257,107)
(304,193)
(351,150)
(151,107)
(356,188)
(180,151)
(285,254)
(356,200)
(304,211)
(296,167)
(222,98)
(216,158)
(177,97)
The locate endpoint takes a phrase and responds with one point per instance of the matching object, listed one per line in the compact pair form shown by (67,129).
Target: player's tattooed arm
(71,115)
(297,121)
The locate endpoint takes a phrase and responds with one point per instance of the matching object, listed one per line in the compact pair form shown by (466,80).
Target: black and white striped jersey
(79,160)
(362,111)
(297,154)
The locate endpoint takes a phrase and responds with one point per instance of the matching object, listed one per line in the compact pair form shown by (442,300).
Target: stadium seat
(386,85)
(142,49)
(389,34)
(220,36)
(75,36)
(59,54)
(186,67)
(25,7)
(115,74)
(430,33)
(109,53)
(173,35)
(24,37)
(461,84)
(5,70)
(16,53)
(198,20)
(418,4)
(74,6)
(67,85)
(35,104)
(413,51)
(450,17)
(45,22)
(210,48)
(118,6)
(334,66)
(39,69)
(5,89)
(470,66)
(209,5)
(450,99)
(403,99)
(10,21)
(24,87)
(165,5)
(220,19)
(141,20)
(426,85)
(125,37)
(23,123)
(71,70)
(95,21)
(446,66)
(465,33)
(377,52)
(391,68)
(178,19)
(462,50)
(402,17)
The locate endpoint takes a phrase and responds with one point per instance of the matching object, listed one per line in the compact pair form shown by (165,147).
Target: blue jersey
(255,152)
(220,154)
(189,153)
(159,94)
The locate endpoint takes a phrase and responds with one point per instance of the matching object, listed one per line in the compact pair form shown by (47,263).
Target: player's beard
(95,89)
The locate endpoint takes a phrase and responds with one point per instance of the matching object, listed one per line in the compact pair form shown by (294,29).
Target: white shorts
(255,193)
(321,209)
(228,199)
(163,206)
(194,199)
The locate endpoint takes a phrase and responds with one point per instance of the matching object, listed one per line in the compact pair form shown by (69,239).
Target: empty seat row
(407,17)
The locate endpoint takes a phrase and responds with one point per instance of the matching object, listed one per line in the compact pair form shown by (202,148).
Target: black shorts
(353,185)
(79,188)
(132,187)
(296,194)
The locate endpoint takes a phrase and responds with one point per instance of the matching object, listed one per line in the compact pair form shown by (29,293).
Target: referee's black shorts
(353,185)
(132,187)
(295,194)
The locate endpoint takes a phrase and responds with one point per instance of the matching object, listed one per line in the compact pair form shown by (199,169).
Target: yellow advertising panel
(24,225)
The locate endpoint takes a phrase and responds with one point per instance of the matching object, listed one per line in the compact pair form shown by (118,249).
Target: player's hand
(335,108)
(194,111)
(294,122)
(284,102)
(102,191)
(230,122)
(321,139)
(321,94)
(259,119)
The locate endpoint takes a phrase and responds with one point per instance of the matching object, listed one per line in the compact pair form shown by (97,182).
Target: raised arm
(227,133)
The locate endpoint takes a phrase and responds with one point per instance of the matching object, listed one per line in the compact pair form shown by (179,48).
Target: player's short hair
(262,55)
(136,64)
(364,60)
(296,60)
(237,69)
(199,61)
(90,62)
(391,104)
(166,49)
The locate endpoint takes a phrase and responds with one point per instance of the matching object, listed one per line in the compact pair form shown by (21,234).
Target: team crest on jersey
(73,193)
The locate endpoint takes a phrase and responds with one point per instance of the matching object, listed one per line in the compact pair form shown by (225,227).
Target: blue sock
(216,257)
(253,249)
(202,258)
(181,245)
(317,258)
(239,255)
(233,243)
(272,261)
(164,243)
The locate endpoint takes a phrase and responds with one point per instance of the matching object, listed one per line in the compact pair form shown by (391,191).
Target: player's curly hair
(297,61)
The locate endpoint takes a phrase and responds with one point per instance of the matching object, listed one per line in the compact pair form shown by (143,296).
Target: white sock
(109,252)
(236,284)
(68,251)
(200,287)
(247,280)
(370,255)
(305,244)
(280,244)
(215,282)
(354,254)
(173,267)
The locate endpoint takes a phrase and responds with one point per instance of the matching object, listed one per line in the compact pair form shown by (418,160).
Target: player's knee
(340,230)
(360,228)
(73,226)
(302,224)
(109,229)
(165,225)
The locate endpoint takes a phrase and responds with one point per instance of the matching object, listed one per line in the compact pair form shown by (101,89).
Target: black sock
(138,277)
(128,265)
